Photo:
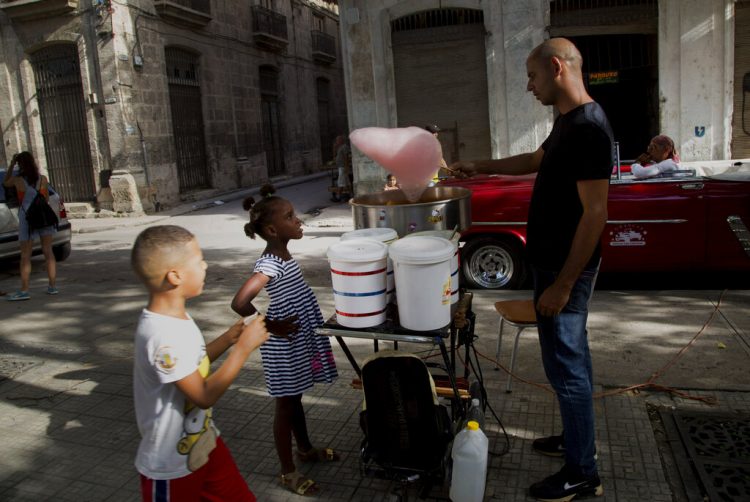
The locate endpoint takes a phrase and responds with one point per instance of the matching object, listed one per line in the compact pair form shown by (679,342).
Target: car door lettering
(628,235)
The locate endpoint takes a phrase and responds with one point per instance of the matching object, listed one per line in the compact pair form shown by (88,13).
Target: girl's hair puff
(260,211)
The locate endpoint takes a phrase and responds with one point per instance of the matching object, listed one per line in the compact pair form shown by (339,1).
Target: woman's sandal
(318,455)
(297,483)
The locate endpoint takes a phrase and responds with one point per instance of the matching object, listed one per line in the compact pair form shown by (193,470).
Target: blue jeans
(567,364)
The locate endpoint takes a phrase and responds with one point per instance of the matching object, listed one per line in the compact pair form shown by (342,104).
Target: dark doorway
(183,75)
(621,74)
(440,70)
(62,112)
(271,112)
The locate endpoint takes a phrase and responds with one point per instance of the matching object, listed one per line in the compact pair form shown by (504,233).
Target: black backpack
(39,214)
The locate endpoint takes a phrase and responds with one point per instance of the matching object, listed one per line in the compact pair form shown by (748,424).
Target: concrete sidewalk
(68,428)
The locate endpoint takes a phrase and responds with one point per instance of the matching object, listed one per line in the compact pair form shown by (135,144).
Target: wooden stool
(521,315)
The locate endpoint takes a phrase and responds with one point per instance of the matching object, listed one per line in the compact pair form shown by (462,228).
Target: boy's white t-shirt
(167,349)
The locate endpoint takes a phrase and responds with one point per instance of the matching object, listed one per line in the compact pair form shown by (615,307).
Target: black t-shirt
(580,147)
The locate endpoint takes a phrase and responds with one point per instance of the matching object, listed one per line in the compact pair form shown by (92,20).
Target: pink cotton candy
(412,154)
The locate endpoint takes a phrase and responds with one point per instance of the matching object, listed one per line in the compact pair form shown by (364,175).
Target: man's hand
(283,327)
(463,169)
(553,300)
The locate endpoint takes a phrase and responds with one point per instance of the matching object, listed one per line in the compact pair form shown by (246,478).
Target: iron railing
(269,22)
(203,6)
(602,12)
(323,43)
(437,17)
(62,114)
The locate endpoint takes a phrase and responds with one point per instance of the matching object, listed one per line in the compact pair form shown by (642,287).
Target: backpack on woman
(39,214)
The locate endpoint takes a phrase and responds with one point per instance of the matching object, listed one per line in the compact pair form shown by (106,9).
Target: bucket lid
(445,234)
(422,250)
(357,250)
(379,234)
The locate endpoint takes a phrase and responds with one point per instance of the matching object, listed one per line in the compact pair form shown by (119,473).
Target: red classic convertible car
(695,219)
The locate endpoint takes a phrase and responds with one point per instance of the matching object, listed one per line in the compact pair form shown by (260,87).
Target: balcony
(323,47)
(23,10)
(193,13)
(269,29)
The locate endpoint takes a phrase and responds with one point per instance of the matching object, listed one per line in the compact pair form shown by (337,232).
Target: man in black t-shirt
(567,214)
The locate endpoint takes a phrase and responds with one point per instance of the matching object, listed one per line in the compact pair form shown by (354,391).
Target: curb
(185,208)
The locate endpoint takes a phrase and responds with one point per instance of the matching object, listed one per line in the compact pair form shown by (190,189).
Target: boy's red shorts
(218,480)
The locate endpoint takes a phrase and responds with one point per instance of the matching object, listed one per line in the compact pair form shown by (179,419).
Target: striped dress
(292,365)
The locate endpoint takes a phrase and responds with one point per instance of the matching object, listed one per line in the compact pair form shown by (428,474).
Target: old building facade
(139,104)
(657,66)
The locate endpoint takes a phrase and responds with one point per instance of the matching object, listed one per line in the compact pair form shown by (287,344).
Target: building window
(319,23)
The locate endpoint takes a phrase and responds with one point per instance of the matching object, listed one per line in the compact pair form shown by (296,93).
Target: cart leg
(456,409)
(349,356)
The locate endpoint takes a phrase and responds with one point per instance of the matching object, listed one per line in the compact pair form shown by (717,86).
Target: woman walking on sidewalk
(28,183)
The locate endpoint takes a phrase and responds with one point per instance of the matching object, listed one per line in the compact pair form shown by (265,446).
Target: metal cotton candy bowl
(439,208)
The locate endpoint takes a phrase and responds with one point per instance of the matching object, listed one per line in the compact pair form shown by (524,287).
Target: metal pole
(617,160)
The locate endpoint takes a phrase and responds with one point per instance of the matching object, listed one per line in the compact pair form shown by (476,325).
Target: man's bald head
(554,69)
(561,48)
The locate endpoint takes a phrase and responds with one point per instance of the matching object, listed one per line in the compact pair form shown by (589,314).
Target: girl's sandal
(318,455)
(297,483)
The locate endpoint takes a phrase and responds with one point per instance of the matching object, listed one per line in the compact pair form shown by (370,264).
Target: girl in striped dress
(296,357)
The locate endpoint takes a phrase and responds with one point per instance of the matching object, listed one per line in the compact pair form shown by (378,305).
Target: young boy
(181,456)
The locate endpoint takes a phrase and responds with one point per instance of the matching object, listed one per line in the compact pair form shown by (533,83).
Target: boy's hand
(283,327)
(233,333)
(254,334)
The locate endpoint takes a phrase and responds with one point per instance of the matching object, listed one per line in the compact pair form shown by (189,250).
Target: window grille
(437,17)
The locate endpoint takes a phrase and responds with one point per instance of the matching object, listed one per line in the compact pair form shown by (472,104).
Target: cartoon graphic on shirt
(164,360)
(198,435)
(197,422)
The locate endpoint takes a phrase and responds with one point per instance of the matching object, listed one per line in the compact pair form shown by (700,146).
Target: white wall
(696,40)
(696,61)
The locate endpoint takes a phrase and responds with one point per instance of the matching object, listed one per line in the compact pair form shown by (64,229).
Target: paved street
(68,428)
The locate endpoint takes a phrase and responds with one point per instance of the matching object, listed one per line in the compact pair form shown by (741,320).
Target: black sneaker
(566,485)
(553,446)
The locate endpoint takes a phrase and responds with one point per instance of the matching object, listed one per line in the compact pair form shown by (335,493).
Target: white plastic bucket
(446,234)
(358,269)
(387,236)
(422,271)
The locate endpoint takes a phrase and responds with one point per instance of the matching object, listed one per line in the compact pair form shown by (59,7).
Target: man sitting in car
(660,157)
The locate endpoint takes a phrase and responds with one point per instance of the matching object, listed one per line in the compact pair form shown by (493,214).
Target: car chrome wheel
(492,264)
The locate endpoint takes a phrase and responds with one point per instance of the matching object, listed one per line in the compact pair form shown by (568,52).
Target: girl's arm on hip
(247,293)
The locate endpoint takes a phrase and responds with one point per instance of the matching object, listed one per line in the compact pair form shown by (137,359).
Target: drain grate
(718,450)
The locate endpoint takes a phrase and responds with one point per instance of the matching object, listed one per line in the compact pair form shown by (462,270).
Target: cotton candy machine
(439,208)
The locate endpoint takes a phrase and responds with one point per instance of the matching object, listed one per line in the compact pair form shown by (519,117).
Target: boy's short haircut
(156,250)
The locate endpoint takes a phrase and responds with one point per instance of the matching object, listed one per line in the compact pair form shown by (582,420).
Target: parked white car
(9,247)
